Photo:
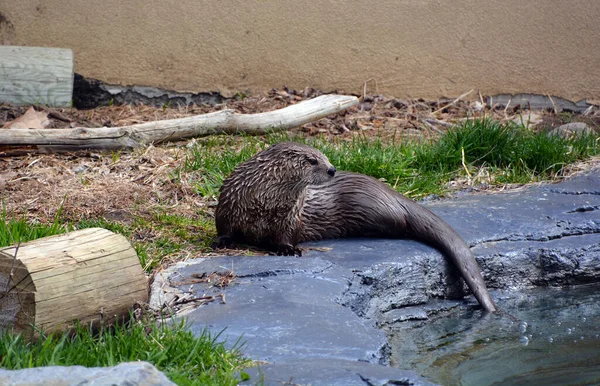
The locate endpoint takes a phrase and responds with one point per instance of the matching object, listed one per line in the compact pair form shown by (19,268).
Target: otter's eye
(312,161)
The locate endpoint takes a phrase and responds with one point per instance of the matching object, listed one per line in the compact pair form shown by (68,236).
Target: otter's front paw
(288,250)
(223,242)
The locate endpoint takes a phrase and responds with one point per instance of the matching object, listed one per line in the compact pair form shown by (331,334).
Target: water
(549,337)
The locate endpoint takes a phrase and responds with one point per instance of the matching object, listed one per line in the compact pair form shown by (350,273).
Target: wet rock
(124,374)
(332,373)
(543,336)
(304,314)
(283,306)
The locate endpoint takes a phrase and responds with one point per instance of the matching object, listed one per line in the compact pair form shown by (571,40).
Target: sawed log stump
(86,275)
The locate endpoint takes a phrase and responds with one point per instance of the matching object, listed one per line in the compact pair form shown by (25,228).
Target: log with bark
(90,275)
(128,137)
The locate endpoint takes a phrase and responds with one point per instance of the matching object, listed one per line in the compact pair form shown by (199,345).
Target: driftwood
(225,121)
(90,275)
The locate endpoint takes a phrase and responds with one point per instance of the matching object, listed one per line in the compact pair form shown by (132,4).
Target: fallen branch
(225,121)
(453,102)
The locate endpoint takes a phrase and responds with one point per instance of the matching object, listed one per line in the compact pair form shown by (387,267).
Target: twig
(454,101)
(200,299)
(56,115)
(438,122)
(12,269)
(553,105)
(462,150)
(432,127)
(506,108)
(365,87)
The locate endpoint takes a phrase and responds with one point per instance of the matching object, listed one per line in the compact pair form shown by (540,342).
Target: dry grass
(93,184)
(142,191)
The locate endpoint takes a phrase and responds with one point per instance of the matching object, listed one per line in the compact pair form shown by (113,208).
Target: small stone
(133,373)
(527,119)
(80,169)
(571,130)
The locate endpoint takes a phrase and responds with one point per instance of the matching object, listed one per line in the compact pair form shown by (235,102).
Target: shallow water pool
(547,336)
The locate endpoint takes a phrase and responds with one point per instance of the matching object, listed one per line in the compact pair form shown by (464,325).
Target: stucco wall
(419,48)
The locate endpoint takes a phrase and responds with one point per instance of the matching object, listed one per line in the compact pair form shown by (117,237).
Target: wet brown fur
(287,194)
(260,202)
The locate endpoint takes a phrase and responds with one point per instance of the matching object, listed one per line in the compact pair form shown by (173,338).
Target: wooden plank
(36,75)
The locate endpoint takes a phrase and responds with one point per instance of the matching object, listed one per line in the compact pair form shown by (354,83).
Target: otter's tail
(424,225)
(355,205)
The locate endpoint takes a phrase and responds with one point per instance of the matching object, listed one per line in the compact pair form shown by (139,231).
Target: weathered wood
(36,75)
(87,275)
(225,121)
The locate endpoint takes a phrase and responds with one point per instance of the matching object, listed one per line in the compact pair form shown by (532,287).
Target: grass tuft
(19,230)
(513,153)
(215,157)
(173,349)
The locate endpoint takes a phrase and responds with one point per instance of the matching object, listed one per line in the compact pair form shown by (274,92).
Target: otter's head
(295,162)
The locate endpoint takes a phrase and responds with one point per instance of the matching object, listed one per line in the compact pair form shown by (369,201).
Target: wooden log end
(91,275)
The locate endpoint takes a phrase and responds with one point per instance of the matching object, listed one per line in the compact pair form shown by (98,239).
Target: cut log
(36,75)
(225,121)
(90,275)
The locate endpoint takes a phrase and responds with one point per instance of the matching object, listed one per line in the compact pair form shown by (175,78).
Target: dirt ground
(120,186)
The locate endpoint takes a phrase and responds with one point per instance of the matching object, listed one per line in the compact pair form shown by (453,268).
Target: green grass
(509,152)
(173,349)
(185,359)
(169,234)
(512,153)
(516,154)
(160,235)
(215,157)
(15,230)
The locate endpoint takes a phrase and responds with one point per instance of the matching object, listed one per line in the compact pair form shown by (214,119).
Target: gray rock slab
(331,372)
(124,374)
(385,274)
(537,102)
(583,184)
(297,313)
(572,129)
(539,213)
(283,311)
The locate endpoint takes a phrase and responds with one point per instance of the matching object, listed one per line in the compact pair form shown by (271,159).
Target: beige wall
(419,48)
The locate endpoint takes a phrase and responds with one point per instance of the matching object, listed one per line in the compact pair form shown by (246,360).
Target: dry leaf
(30,120)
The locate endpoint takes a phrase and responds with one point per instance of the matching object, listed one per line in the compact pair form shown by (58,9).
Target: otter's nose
(331,171)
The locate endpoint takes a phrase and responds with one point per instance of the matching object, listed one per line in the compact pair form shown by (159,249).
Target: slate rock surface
(316,319)
(304,315)
(332,372)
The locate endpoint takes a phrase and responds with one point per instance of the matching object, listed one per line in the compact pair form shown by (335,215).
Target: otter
(290,193)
